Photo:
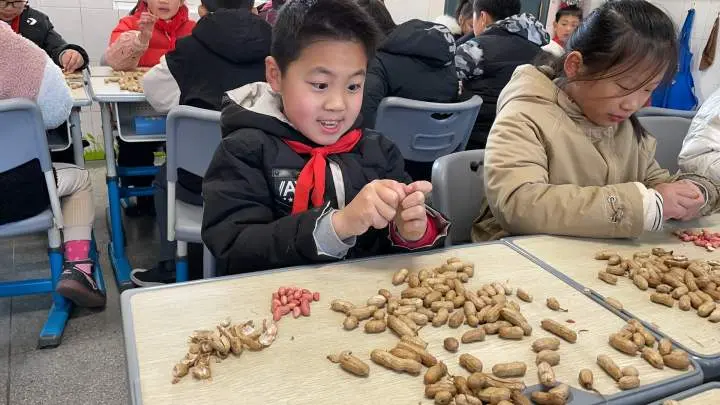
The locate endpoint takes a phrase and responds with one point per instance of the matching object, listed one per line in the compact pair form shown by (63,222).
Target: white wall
(404,10)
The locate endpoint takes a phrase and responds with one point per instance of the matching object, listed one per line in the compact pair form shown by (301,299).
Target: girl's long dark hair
(616,38)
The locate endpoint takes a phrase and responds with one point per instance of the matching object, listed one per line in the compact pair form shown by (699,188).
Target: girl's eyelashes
(354,88)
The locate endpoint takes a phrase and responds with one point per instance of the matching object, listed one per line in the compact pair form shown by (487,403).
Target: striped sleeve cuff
(652,208)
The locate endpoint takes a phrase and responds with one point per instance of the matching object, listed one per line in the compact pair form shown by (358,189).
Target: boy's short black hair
(303,22)
(498,9)
(569,11)
(215,5)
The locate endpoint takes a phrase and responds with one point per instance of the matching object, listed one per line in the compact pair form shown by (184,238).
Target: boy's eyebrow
(326,71)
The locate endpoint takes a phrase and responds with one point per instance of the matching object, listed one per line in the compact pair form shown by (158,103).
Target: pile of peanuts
(694,284)
(438,296)
(74,80)
(293,300)
(703,238)
(128,80)
(204,345)
(633,338)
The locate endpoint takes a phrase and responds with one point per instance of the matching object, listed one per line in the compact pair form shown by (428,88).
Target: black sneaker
(163,273)
(79,287)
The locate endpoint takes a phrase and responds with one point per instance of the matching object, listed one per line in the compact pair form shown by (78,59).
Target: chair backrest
(670,133)
(458,191)
(425,131)
(193,134)
(22,135)
(667,112)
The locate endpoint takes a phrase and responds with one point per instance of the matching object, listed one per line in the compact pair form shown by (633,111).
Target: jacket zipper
(617,211)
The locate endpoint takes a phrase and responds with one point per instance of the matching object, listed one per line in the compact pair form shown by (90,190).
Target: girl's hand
(681,200)
(146,26)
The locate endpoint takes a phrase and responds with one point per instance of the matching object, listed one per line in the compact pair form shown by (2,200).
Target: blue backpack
(680,94)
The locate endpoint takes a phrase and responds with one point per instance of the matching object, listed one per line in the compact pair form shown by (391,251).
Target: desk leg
(76,135)
(116,247)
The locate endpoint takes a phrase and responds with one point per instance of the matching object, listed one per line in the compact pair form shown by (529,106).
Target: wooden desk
(573,258)
(705,394)
(294,369)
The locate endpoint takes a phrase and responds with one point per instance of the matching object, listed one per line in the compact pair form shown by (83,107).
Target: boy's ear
(273,74)
(573,64)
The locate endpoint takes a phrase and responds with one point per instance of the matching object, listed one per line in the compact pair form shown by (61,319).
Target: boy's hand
(71,60)
(374,206)
(146,26)
(411,219)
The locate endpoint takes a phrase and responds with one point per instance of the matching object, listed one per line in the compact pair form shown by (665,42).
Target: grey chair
(23,139)
(425,131)
(458,191)
(670,133)
(667,112)
(193,134)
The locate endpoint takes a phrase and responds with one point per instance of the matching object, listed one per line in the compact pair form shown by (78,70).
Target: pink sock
(76,250)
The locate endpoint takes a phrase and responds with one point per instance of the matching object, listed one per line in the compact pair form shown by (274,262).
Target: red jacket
(164,35)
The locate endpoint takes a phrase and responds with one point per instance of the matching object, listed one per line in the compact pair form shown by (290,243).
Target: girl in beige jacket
(566,155)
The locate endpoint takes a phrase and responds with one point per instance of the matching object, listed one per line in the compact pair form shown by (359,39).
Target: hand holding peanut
(374,206)
(411,219)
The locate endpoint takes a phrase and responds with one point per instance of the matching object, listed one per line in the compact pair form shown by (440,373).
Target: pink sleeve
(431,236)
(125,52)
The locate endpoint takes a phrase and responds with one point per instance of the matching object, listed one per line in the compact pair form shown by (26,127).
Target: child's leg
(75,191)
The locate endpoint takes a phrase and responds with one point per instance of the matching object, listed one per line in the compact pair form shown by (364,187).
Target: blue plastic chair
(458,191)
(425,131)
(23,139)
(670,133)
(193,134)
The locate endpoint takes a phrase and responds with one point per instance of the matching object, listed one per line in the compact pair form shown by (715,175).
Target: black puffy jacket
(486,63)
(249,187)
(226,50)
(415,61)
(37,27)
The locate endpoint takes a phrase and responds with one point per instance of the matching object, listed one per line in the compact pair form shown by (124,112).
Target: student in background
(27,72)
(701,148)
(567,156)
(504,39)
(140,40)
(149,32)
(295,180)
(414,62)
(36,26)
(567,20)
(203,66)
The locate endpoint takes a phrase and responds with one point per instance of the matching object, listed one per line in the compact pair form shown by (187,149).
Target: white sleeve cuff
(327,241)
(652,208)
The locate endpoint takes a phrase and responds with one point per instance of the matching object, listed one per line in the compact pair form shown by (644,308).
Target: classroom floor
(89,366)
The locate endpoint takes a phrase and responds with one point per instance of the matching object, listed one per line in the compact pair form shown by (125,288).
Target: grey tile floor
(89,366)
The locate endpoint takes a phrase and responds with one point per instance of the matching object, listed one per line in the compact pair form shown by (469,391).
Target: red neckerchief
(15,24)
(169,28)
(312,176)
(557,40)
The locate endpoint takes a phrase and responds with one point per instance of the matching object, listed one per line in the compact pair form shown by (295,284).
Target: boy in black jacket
(37,27)
(293,155)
